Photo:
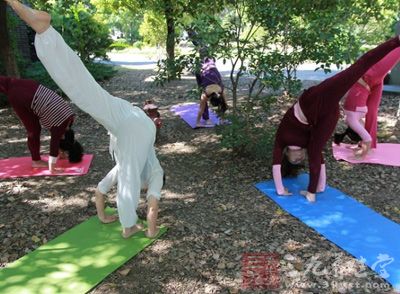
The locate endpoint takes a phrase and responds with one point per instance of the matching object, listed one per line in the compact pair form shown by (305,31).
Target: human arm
(277,176)
(56,133)
(277,160)
(320,134)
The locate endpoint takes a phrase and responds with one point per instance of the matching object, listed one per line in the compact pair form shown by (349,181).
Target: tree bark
(170,43)
(6,53)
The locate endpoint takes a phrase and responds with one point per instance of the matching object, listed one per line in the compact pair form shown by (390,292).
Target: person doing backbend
(132,129)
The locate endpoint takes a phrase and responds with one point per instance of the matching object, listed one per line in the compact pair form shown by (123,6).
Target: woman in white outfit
(132,128)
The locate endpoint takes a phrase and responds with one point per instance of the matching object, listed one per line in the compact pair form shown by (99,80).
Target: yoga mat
(385,154)
(75,261)
(188,112)
(349,224)
(21,167)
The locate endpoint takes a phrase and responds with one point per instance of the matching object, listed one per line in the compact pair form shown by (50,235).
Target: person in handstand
(37,106)
(310,122)
(133,130)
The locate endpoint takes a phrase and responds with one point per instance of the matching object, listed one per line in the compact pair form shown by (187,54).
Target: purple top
(209,74)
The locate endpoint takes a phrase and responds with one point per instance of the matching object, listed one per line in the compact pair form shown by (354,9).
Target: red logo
(260,271)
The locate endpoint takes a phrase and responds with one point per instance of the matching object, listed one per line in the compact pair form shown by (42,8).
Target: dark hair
(164,180)
(349,132)
(75,154)
(289,169)
(217,100)
(74,148)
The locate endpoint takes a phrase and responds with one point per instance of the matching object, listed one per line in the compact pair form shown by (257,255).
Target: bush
(37,72)
(249,133)
(120,45)
(138,44)
(101,71)
(81,31)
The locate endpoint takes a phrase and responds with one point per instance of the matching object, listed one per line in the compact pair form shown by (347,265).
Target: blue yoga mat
(349,224)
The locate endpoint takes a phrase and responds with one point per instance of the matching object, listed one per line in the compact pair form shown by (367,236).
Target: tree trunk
(6,53)
(170,44)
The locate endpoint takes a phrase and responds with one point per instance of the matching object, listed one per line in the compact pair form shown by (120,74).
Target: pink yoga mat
(21,167)
(385,154)
(188,112)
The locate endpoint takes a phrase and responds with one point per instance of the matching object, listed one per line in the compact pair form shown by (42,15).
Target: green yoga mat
(75,261)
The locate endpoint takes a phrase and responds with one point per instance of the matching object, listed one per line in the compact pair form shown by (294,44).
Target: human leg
(39,21)
(134,140)
(317,101)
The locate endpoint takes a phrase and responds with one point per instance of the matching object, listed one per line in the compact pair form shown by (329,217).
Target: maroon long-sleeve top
(320,105)
(37,106)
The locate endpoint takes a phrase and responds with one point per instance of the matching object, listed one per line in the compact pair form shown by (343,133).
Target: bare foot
(106,219)
(39,21)
(152,233)
(128,232)
(39,163)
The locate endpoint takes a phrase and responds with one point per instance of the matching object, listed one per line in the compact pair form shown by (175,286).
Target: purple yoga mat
(188,112)
(385,154)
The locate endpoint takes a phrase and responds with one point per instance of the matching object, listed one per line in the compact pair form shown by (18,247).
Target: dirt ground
(209,203)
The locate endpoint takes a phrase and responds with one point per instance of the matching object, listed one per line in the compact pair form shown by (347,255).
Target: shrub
(249,133)
(120,45)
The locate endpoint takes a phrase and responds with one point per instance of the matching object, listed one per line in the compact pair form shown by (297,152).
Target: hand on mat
(56,170)
(286,192)
(309,196)
(39,163)
(200,125)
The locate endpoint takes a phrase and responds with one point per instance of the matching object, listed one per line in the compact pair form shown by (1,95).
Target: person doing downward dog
(210,81)
(310,122)
(132,129)
(363,100)
(37,106)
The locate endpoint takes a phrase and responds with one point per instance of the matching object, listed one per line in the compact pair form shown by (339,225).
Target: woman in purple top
(310,122)
(210,81)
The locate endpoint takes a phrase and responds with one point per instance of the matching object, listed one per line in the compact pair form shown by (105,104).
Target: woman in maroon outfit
(38,106)
(310,122)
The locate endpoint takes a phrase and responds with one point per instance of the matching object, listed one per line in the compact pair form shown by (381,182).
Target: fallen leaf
(124,272)
(35,239)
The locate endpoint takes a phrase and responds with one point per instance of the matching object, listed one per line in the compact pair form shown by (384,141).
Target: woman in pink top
(310,122)
(363,100)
